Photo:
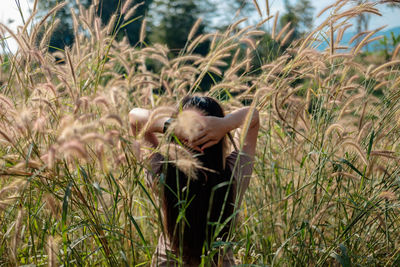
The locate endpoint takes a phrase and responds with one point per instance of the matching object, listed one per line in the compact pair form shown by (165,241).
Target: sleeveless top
(241,166)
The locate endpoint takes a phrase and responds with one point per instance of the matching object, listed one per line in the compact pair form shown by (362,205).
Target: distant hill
(371,47)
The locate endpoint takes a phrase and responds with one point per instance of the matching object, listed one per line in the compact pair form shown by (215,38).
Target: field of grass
(325,186)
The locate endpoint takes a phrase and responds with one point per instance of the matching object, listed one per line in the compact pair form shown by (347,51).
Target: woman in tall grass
(198,194)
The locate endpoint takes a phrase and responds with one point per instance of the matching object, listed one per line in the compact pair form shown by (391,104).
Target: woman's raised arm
(216,128)
(138,118)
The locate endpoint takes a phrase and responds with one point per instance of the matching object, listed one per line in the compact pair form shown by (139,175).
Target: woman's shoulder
(241,166)
(155,162)
(240,160)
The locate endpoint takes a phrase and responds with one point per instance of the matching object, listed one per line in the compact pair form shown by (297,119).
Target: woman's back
(196,212)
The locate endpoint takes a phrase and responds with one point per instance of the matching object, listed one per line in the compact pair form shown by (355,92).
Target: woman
(198,209)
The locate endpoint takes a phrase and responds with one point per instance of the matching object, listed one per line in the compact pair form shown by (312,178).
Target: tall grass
(325,186)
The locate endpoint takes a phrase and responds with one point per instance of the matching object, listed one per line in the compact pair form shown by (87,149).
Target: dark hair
(207,201)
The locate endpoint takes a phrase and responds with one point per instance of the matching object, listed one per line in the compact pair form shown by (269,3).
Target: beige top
(241,166)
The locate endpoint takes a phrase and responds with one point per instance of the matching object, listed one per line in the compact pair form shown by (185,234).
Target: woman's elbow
(255,120)
(138,116)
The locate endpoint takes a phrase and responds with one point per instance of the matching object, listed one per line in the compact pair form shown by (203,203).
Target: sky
(9,13)
(390,16)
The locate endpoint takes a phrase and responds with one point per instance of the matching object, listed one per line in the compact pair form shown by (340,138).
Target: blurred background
(170,21)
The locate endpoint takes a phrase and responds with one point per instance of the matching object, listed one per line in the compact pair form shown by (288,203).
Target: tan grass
(182,158)
(142,31)
(52,249)
(126,6)
(275,25)
(64,125)
(194,29)
(357,148)
(257,7)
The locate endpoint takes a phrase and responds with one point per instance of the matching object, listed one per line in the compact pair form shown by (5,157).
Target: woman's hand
(212,131)
(215,128)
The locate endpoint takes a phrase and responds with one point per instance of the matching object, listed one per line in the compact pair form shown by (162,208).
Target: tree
(230,11)
(305,12)
(169,21)
(362,20)
(173,20)
(300,17)
(109,7)
(63,34)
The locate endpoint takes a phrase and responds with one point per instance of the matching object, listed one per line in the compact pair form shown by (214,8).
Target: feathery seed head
(74,149)
(188,124)
(182,158)
(40,125)
(126,6)
(53,204)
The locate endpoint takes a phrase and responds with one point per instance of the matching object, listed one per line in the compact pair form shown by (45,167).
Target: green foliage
(63,34)
(266,51)
(132,30)
(173,20)
(386,45)
(300,16)
(230,11)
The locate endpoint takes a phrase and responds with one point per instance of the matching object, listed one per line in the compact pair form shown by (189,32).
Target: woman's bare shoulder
(239,162)
(153,169)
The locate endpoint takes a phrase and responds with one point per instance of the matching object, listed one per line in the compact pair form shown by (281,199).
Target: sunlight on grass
(325,186)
